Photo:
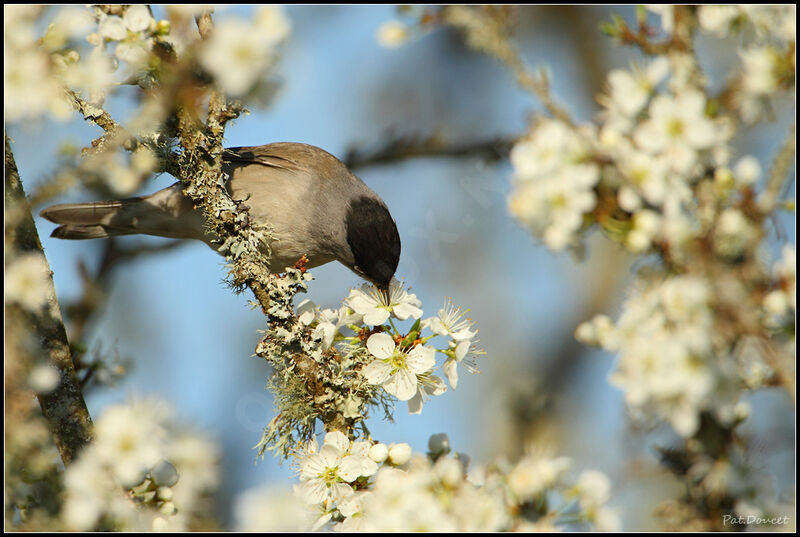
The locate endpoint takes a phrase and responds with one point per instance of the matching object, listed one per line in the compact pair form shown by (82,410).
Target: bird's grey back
(295,187)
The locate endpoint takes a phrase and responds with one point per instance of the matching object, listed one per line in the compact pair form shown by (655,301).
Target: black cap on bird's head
(373,239)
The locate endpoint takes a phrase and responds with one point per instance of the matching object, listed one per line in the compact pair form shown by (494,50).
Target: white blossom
(450,322)
(376,308)
(399,454)
(27,282)
(533,474)
(663,338)
(325,474)
(677,128)
(630,90)
(239,52)
(272,509)
(395,370)
(553,182)
(392,34)
(717,19)
(379,452)
(132,439)
(137,18)
(112,27)
(43,379)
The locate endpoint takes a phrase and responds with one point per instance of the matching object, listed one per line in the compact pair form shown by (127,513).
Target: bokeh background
(190,339)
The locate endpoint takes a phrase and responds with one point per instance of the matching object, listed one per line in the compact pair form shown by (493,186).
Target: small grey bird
(313,204)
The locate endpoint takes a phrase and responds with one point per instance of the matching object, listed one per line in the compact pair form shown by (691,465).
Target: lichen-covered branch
(64,407)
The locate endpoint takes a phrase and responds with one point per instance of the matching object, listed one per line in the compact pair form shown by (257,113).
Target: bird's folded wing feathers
(259,155)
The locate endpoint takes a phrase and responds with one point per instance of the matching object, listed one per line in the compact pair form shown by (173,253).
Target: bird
(311,202)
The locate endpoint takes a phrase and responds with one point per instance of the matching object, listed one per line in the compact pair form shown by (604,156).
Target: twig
(64,408)
(397,149)
(487,30)
(779,173)
(95,286)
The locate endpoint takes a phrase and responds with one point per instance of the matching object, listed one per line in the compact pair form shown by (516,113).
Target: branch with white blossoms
(365,485)
(706,320)
(337,365)
(487,29)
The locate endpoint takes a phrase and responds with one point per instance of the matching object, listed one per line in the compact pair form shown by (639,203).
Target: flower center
(639,176)
(397,361)
(329,476)
(675,128)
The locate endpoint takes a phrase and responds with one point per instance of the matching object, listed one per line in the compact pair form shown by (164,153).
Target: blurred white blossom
(137,448)
(553,182)
(663,339)
(392,34)
(240,52)
(27,282)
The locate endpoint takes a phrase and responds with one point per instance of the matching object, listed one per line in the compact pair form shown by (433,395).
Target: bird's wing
(259,155)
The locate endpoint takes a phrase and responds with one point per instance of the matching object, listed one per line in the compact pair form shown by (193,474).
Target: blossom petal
(339,491)
(421,359)
(360,303)
(313,491)
(402,385)
(462,348)
(337,440)
(354,466)
(380,345)
(331,455)
(313,466)
(375,317)
(405,310)
(377,372)
(434,385)
(450,369)
(415,403)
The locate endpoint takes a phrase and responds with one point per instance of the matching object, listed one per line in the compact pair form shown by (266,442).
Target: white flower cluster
(401,363)
(658,137)
(776,21)
(239,52)
(366,486)
(132,34)
(766,58)
(554,180)
(782,301)
(30,88)
(137,449)
(37,72)
(664,339)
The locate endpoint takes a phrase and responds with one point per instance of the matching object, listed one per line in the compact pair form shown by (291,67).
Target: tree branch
(401,148)
(64,408)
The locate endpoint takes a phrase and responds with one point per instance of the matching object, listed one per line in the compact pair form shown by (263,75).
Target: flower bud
(378,453)
(163,27)
(164,493)
(164,474)
(399,454)
(167,508)
(439,444)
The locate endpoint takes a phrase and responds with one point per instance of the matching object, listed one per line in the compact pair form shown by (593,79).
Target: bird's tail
(166,213)
(95,220)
